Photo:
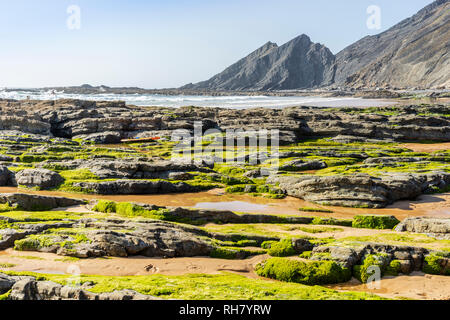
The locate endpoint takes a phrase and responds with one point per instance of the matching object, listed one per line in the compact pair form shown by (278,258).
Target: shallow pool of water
(239,206)
(426,205)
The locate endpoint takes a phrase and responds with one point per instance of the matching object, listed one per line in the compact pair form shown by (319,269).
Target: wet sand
(425,205)
(417,285)
(130,266)
(426,147)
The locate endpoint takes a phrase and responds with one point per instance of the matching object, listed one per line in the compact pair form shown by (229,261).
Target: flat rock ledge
(109,121)
(135,187)
(32,202)
(361,190)
(436,227)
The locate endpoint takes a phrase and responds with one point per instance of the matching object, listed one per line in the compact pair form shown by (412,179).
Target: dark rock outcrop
(300,165)
(7,178)
(32,202)
(42,178)
(135,187)
(360,190)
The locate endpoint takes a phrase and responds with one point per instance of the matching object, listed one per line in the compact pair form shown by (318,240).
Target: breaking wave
(236,102)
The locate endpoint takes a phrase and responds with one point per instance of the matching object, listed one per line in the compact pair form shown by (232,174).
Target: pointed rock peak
(300,41)
(302,37)
(268,46)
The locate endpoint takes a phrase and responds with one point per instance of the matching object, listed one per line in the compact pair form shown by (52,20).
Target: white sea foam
(236,102)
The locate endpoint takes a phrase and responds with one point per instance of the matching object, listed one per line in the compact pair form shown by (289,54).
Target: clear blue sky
(167,43)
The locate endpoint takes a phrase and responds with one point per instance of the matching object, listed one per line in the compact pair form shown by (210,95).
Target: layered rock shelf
(108,122)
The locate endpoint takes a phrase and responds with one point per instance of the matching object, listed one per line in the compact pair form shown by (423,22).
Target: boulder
(6,177)
(6,283)
(8,236)
(251,174)
(42,178)
(346,256)
(351,191)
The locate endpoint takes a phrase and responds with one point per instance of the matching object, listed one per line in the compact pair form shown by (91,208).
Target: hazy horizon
(166,44)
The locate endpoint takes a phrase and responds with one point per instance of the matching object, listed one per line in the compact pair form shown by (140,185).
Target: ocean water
(235,102)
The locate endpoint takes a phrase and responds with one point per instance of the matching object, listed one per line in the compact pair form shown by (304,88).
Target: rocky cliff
(299,63)
(413,53)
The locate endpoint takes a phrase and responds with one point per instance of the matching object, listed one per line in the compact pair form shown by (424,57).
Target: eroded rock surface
(28,288)
(7,178)
(135,187)
(105,122)
(25,201)
(360,190)
(42,178)
(436,227)
(350,255)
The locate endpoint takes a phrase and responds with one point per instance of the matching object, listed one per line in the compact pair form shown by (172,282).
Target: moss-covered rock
(283,248)
(105,206)
(437,263)
(332,221)
(306,254)
(305,272)
(394,268)
(364,271)
(374,222)
(233,253)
